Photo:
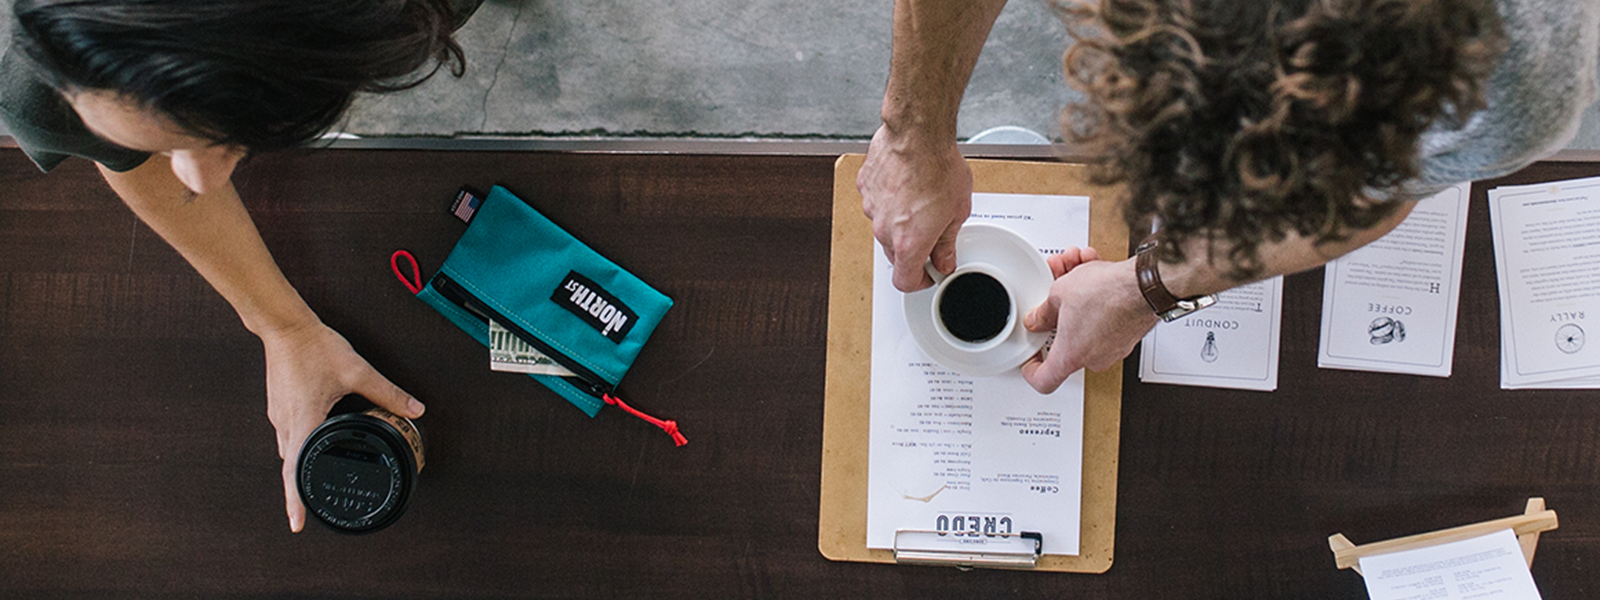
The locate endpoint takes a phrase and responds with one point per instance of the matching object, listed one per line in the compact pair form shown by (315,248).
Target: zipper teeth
(584,379)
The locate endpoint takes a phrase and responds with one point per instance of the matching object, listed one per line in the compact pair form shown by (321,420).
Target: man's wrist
(1183,279)
(1130,298)
(1161,301)
(911,132)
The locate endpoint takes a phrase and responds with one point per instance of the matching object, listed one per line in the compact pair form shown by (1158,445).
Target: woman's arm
(309,366)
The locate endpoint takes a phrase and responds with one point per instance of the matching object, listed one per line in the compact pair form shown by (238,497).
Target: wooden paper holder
(1527,527)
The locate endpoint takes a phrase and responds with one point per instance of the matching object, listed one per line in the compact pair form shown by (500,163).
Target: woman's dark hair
(1241,121)
(262,74)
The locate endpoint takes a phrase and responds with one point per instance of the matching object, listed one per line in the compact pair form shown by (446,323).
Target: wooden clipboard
(842,524)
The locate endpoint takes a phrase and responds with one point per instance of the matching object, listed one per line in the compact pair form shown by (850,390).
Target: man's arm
(1098,313)
(309,366)
(915,186)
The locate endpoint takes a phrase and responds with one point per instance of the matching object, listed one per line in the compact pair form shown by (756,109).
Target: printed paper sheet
(1547,259)
(1484,567)
(974,456)
(1390,306)
(1232,344)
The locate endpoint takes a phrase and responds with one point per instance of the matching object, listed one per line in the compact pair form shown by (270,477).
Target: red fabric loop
(413,283)
(671,427)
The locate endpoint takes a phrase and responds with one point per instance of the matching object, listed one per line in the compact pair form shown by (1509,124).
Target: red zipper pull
(671,427)
(414,283)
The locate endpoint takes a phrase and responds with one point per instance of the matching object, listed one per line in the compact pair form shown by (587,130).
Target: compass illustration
(1569,338)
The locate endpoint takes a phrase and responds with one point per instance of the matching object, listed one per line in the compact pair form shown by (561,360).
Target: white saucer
(1026,274)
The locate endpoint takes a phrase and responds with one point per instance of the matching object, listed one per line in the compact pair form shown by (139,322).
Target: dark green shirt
(49,131)
(46,127)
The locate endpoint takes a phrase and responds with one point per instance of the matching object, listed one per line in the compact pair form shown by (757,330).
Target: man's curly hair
(1241,121)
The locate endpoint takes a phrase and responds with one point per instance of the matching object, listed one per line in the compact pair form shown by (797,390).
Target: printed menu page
(1390,306)
(1489,566)
(974,456)
(1232,344)
(1547,259)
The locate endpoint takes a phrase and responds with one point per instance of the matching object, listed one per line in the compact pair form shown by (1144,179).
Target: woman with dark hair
(1264,136)
(168,95)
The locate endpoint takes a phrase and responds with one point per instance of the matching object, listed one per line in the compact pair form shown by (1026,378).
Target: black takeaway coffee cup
(357,471)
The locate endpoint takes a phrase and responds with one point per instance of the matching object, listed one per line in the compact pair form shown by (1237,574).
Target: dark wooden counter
(136,458)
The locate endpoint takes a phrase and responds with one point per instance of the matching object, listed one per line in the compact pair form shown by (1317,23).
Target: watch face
(1188,306)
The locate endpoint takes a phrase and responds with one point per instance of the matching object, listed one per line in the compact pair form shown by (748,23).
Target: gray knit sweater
(1536,96)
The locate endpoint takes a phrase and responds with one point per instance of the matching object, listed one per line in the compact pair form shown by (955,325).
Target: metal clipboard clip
(968,550)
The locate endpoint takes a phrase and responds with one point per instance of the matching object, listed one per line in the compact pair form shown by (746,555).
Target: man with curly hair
(1264,136)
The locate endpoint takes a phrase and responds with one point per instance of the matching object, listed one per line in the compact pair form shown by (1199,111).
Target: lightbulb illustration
(1208,353)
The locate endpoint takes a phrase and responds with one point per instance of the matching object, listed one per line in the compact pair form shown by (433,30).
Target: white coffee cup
(980,327)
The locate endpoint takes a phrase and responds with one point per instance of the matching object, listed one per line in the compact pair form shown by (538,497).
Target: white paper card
(1580,383)
(972,456)
(1484,567)
(1547,263)
(1232,344)
(1390,306)
(1561,384)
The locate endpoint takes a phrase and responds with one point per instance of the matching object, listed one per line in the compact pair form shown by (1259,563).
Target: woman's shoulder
(45,126)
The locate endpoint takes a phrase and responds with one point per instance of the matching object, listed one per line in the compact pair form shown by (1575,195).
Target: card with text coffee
(1390,306)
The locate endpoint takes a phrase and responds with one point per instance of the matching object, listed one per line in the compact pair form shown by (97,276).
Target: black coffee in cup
(974,307)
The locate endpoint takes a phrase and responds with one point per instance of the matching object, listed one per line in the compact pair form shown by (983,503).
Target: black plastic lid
(356,473)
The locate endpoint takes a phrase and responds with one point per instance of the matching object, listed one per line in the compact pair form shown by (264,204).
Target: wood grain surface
(136,459)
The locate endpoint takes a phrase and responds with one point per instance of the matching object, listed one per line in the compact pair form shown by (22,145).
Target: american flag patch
(465,206)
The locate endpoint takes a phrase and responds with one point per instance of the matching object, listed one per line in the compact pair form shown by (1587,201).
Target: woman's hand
(309,368)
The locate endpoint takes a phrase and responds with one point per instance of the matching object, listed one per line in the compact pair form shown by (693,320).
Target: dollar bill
(507,352)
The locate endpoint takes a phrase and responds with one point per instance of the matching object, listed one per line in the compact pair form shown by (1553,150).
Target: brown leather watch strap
(1155,293)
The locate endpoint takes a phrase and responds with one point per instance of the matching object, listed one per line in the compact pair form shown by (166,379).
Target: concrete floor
(713,69)
(707,68)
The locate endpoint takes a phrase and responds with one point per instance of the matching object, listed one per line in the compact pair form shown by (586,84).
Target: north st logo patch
(595,306)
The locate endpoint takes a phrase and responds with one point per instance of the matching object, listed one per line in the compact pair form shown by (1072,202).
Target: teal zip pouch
(516,268)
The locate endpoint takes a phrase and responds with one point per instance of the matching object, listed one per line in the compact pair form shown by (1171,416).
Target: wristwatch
(1155,293)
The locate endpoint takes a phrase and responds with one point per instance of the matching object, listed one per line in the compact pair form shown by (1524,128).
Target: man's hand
(309,368)
(917,194)
(915,186)
(1097,312)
